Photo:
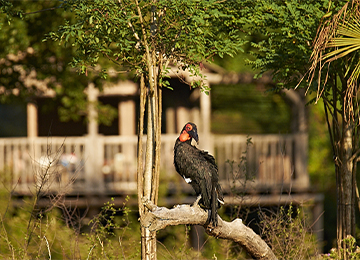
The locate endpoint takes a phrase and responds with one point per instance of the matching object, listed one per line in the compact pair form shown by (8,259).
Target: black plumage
(199,169)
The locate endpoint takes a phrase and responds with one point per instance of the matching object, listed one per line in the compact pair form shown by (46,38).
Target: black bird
(199,169)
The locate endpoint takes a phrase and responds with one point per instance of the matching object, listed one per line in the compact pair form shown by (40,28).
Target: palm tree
(336,68)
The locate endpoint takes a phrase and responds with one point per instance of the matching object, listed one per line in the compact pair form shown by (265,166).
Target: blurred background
(269,155)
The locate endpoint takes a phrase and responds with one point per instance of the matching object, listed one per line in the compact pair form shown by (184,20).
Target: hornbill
(199,169)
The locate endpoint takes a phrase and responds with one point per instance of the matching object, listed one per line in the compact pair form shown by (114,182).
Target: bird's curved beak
(194,135)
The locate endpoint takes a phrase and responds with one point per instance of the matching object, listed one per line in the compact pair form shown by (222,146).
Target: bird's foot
(209,218)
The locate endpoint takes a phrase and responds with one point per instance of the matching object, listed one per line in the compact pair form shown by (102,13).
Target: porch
(105,165)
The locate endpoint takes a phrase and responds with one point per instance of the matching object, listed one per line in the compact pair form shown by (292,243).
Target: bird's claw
(209,218)
(196,202)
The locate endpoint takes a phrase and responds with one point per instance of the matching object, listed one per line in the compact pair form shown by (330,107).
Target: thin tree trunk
(354,182)
(346,202)
(150,237)
(148,241)
(345,181)
(156,174)
(158,112)
(140,172)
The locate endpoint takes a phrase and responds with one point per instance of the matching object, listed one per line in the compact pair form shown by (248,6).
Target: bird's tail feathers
(220,195)
(214,205)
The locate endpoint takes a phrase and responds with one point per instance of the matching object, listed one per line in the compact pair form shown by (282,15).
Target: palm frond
(337,42)
(339,53)
(355,74)
(337,38)
(347,40)
(350,29)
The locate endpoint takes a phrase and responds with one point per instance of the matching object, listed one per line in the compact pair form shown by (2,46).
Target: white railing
(264,160)
(107,164)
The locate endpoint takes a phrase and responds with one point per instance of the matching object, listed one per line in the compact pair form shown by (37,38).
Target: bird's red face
(189,131)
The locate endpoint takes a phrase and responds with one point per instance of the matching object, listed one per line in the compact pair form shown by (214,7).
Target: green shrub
(288,234)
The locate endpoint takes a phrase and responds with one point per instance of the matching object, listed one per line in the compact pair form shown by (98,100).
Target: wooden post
(195,115)
(127,117)
(170,120)
(32,132)
(301,148)
(318,218)
(92,93)
(205,140)
(127,127)
(301,142)
(182,117)
(32,120)
(94,147)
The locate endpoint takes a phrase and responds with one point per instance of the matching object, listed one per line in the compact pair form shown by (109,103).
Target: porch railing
(107,164)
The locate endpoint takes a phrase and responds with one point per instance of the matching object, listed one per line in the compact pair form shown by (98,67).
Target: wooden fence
(107,164)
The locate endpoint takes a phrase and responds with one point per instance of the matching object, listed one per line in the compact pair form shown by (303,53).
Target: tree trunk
(148,177)
(345,175)
(344,142)
(149,188)
(140,176)
(346,192)
(347,168)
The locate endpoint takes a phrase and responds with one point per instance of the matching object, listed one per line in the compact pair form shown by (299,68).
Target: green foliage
(241,177)
(288,234)
(174,243)
(338,39)
(287,30)
(109,234)
(144,38)
(19,240)
(58,233)
(31,231)
(30,67)
(184,32)
(50,235)
(11,38)
(350,251)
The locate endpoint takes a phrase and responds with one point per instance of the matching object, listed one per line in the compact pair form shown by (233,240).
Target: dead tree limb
(160,217)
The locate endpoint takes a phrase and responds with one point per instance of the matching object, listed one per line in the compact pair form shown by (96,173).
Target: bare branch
(137,46)
(44,10)
(160,217)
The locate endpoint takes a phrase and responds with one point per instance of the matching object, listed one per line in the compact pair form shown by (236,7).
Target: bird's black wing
(215,176)
(204,178)
(211,191)
(208,157)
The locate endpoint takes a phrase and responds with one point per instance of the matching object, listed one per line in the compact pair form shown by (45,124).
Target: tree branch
(137,46)
(160,217)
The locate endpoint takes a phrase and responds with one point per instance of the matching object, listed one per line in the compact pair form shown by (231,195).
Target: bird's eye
(188,127)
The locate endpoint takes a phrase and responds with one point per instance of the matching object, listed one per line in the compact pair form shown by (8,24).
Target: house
(99,162)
